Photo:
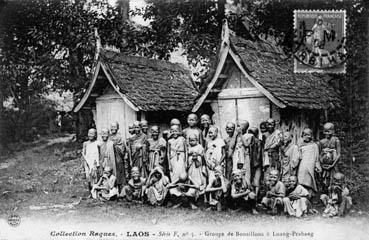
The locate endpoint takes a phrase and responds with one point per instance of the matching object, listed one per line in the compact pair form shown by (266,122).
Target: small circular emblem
(14,220)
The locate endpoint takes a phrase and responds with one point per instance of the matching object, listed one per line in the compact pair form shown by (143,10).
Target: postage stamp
(319,41)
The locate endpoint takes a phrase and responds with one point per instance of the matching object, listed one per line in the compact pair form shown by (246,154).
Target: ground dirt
(46,180)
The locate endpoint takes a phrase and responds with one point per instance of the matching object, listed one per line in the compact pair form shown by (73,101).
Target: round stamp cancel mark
(14,220)
(319,41)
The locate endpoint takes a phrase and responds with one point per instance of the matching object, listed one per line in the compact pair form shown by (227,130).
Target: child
(90,154)
(290,157)
(121,160)
(131,130)
(156,187)
(338,202)
(192,128)
(177,154)
(107,153)
(217,189)
(215,152)
(309,155)
(184,190)
(135,189)
(144,127)
(256,154)
(196,166)
(157,149)
(205,124)
(230,143)
(296,203)
(275,194)
(241,192)
(272,145)
(242,148)
(138,148)
(105,189)
(330,152)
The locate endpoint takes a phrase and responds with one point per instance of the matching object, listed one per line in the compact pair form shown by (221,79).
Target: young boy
(242,148)
(272,145)
(275,194)
(217,190)
(105,189)
(157,149)
(205,124)
(309,162)
(230,143)
(196,166)
(144,127)
(330,152)
(138,148)
(135,189)
(192,128)
(156,187)
(296,203)
(177,154)
(241,192)
(215,152)
(338,202)
(121,160)
(256,157)
(184,190)
(290,157)
(107,152)
(90,154)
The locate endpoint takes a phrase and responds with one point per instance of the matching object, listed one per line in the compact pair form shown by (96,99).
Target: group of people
(247,170)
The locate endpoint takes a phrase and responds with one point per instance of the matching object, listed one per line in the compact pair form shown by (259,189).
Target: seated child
(217,190)
(215,151)
(135,188)
(275,194)
(196,166)
(105,189)
(241,192)
(156,187)
(296,203)
(338,202)
(184,190)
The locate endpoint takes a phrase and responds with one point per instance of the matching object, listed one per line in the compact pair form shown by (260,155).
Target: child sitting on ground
(275,194)
(105,189)
(134,191)
(217,190)
(156,187)
(241,192)
(184,190)
(296,203)
(338,202)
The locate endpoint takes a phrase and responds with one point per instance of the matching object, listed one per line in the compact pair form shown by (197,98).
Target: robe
(177,157)
(213,155)
(91,161)
(157,151)
(157,192)
(328,153)
(290,160)
(309,154)
(229,148)
(242,154)
(196,166)
(120,158)
(109,183)
(139,156)
(271,150)
(107,156)
(297,207)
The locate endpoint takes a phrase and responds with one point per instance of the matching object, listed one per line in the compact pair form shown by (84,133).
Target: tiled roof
(151,85)
(268,64)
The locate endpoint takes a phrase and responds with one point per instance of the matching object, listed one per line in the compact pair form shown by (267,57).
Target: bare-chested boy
(217,190)
(192,128)
(275,194)
(135,189)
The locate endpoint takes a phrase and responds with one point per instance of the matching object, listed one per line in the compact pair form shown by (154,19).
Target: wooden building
(254,81)
(129,88)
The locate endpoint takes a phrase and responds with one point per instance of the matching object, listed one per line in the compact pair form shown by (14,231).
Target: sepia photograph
(184,119)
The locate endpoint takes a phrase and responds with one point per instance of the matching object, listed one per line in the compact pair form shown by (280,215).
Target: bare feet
(193,206)
(177,206)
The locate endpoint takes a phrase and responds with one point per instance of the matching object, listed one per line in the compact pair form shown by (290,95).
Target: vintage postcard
(320,41)
(184,119)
